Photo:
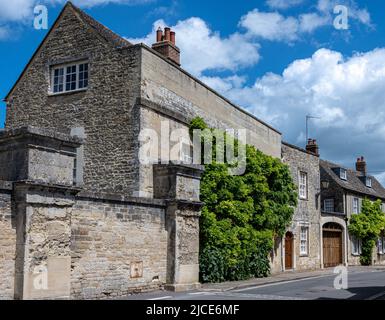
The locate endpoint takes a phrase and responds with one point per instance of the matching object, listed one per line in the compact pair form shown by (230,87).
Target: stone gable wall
(103,110)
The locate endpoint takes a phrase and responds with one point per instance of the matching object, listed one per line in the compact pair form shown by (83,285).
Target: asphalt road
(367,285)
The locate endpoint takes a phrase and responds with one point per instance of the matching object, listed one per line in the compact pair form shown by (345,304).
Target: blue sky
(279,59)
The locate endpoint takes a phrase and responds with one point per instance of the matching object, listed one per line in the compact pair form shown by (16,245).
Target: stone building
(299,249)
(342,194)
(80,215)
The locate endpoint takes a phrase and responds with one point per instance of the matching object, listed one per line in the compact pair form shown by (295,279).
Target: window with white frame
(303,185)
(343,174)
(369,182)
(381,244)
(356,205)
(71,77)
(356,245)
(304,241)
(329,205)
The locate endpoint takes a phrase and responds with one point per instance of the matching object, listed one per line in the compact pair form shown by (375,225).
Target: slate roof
(355,180)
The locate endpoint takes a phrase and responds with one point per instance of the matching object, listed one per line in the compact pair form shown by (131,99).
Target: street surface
(362,285)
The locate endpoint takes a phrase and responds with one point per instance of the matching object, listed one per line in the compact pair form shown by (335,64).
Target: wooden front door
(289,250)
(332,248)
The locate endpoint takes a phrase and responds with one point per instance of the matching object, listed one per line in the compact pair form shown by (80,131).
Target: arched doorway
(289,248)
(332,244)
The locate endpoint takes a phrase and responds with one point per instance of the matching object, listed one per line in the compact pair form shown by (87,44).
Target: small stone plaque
(137,269)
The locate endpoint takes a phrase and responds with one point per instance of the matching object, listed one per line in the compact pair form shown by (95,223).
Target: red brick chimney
(312,147)
(361,165)
(166,45)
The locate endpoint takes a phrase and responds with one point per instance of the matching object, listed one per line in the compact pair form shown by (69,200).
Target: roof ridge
(117,40)
(345,167)
(377,189)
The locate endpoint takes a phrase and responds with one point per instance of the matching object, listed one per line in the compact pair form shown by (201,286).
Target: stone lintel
(121,198)
(187,170)
(185,207)
(28,185)
(172,114)
(42,133)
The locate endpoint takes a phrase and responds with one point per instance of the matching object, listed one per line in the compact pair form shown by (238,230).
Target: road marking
(378,295)
(161,298)
(198,293)
(257,296)
(281,282)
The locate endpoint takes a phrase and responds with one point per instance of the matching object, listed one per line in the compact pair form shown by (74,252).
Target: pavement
(363,283)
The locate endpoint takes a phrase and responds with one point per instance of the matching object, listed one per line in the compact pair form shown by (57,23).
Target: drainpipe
(346,255)
(282,256)
(321,247)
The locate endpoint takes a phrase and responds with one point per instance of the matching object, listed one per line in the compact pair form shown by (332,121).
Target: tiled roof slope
(354,182)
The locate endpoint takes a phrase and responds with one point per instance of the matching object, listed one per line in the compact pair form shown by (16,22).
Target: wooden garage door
(332,248)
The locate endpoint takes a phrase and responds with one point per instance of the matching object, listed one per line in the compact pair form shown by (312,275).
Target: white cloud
(19,10)
(16,10)
(277,27)
(283,4)
(16,13)
(346,93)
(93,3)
(309,22)
(270,25)
(224,84)
(204,49)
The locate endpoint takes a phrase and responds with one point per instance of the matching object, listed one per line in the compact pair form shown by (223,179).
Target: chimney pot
(167,31)
(312,147)
(361,165)
(172,37)
(166,46)
(159,35)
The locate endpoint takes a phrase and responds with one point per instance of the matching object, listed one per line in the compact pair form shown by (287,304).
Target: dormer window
(368,182)
(343,174)
(70,77)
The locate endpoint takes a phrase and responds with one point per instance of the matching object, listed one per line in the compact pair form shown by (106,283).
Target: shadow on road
(362,293)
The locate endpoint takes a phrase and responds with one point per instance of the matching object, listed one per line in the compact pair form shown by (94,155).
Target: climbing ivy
(242,214)
(368,226)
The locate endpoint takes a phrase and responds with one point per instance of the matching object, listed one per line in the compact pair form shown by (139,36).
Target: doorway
(289,259)
(332,245)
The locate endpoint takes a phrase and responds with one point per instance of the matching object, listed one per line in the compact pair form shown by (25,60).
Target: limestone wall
(175,90)
(308,212)
(7,243)
(118,247)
